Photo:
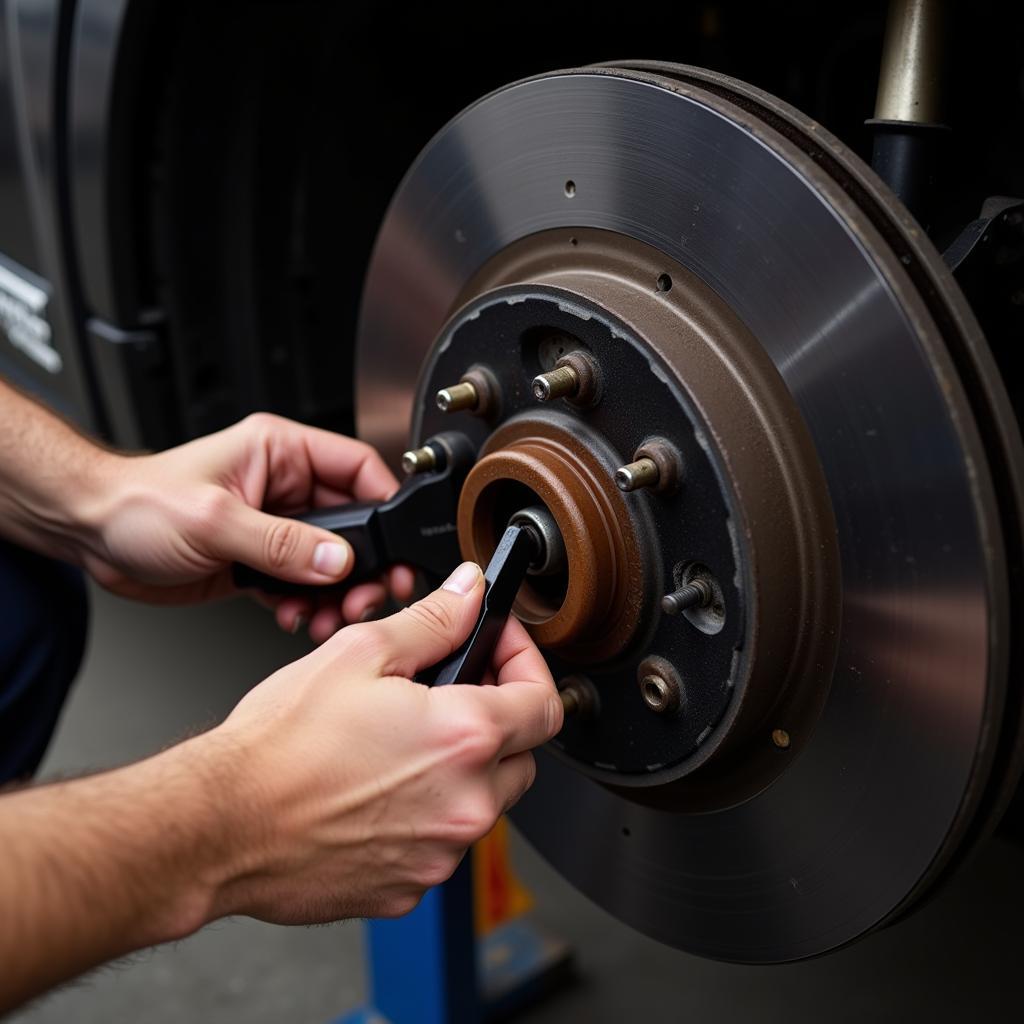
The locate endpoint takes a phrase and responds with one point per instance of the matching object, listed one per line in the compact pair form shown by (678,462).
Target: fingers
(512,778)
(426,632)
(528,713)
(516,656)
(525,701)
(284,548)
(358,604)
(402,581)
(361,602)
(324,624)
(292,613)
(349,466)
(338,469)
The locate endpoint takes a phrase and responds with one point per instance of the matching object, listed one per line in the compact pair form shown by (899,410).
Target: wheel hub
(590,610)
(739,505)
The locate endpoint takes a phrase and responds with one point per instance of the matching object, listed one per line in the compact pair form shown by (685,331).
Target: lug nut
(696,593)
(418,460)
(634,475)
(458,397)
(561,382)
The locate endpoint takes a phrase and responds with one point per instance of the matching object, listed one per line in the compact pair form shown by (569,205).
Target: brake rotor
(757,303)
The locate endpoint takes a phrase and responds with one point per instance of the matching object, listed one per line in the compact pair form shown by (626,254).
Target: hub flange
(744,509)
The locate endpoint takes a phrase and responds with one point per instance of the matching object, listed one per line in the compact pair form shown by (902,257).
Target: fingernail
(331,559)
(370,613)
(300,621)
(463,580)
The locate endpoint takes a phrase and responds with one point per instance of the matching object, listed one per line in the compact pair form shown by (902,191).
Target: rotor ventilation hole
(570,189)
(542,347)
(664,283)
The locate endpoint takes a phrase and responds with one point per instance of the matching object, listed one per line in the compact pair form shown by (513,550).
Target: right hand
(358,789)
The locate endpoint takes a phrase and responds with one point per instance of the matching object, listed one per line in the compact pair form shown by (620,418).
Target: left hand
(173,523)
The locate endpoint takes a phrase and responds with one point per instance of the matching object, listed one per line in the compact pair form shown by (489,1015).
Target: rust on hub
(593,610)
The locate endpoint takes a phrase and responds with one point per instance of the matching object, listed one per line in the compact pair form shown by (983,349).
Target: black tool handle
(502,578)
(415,526)
(357,523)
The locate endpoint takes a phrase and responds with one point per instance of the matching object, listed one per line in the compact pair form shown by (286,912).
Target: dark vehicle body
(189,191)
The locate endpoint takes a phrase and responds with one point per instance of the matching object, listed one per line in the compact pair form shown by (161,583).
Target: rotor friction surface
(839,841)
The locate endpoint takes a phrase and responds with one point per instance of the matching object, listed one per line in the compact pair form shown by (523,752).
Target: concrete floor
(154,674)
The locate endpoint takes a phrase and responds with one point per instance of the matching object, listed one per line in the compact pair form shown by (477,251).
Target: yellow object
(498,894)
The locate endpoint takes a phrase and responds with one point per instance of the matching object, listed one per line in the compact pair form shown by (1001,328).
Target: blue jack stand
(429,968)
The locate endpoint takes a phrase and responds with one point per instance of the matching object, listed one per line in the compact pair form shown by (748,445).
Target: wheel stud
(576,377)
(578,697)
(696,593)
(458,397)
(561,382)
(634,475)
(419,460)
(477,392)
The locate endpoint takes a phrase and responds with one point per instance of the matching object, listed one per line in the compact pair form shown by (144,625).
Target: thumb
(285,548)
(422,634)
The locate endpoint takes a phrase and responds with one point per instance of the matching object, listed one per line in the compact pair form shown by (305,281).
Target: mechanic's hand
(174,522)
(359,789)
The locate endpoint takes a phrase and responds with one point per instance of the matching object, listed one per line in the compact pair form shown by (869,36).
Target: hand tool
(531,543)
(414,527)
(518,548)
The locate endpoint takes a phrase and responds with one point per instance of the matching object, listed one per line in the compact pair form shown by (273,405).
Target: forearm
(96,868)
(51,478)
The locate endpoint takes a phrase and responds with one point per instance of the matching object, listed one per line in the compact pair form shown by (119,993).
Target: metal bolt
(578,696)
(666,457)
(458,397)
(561,382)
(418,460)
(695,593)
(781,739)
(576,377)
(634,475)
(658,694)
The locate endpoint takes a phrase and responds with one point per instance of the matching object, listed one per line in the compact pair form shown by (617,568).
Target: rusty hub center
(590,610)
